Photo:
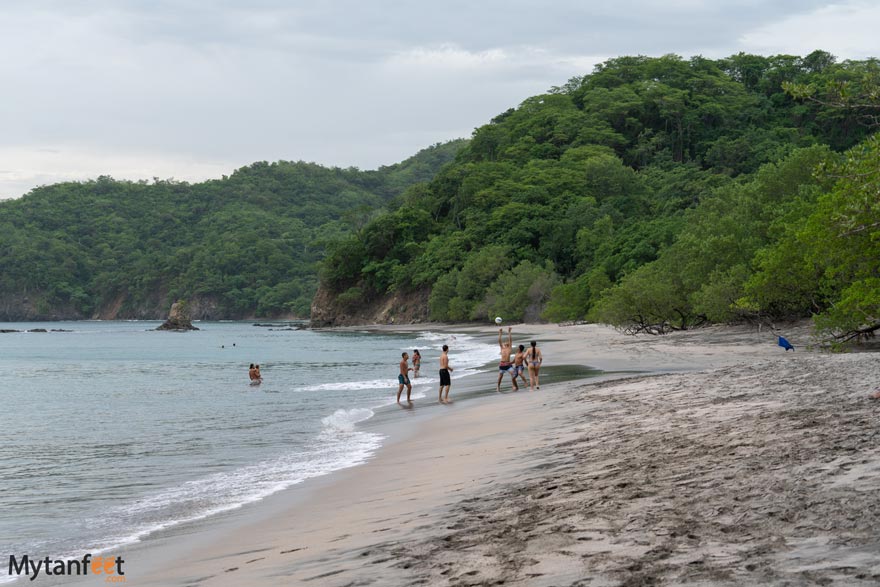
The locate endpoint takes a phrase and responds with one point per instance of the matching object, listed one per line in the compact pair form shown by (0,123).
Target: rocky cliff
(327,309)
(24,308)
(21,308)
(399,308)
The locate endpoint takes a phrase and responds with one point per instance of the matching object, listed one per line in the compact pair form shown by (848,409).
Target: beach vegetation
(832,259)
(655,194)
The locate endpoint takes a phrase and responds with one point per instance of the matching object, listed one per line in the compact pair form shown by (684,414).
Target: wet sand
(742,465)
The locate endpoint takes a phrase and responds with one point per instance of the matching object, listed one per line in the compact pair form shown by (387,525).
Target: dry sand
(746,466)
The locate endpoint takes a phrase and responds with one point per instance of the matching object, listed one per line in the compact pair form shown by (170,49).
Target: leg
(440,398)
(447,392)
(513,381)
(399,390)
(408,390)
(500,377)
(538,377)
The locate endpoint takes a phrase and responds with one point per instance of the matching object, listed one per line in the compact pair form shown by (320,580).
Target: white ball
(498,320)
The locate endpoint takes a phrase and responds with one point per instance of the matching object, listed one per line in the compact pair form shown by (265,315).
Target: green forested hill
(652,193)
(244,245)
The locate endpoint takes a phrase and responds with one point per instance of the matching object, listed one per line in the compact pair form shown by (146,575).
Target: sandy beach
(710,457)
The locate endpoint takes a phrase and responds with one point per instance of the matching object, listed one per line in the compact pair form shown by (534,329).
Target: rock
(6,331)
(401,307)
(178,319)
(37,330)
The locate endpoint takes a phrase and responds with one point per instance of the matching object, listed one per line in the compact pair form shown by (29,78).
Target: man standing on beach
(403,377)
(445,379)
(505,366)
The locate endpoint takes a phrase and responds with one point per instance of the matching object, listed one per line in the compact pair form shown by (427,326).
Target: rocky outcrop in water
(179,319)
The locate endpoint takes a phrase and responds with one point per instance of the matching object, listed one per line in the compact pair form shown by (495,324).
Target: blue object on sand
(785,344)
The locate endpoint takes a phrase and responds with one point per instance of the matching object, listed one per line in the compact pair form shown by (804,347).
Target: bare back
(534,357)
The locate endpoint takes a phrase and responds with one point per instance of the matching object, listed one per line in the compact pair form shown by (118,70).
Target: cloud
(847,29)
(448,56)
(143,88)
(24,168)
(511,65)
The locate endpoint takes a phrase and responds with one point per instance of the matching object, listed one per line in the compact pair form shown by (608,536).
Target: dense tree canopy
(659,192)
(652,193)
(247,244)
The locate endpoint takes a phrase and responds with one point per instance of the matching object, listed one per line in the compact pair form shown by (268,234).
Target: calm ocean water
(113,431)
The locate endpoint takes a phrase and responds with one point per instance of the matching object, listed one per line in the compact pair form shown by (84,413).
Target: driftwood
(643,325)
(644,328)
(857,335)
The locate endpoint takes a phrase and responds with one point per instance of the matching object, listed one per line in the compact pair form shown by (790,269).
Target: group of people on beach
(523,359)
(403,376)
(513,363)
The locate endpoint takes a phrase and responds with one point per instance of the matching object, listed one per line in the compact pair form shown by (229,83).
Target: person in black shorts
(445,379)
(506,366)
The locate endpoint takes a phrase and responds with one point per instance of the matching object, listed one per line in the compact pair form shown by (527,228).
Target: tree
(519,293)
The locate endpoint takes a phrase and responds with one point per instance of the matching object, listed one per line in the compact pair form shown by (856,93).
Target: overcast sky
(194,89)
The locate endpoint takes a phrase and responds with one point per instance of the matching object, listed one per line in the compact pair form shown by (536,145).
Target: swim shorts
(403,380)
(517,370)
(444,377)
(504,367)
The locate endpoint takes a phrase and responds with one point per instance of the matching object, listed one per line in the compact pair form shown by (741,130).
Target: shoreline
(498,491)
(241,539)
(159,545)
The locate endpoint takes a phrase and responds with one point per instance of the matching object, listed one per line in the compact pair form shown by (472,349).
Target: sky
(191,89)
